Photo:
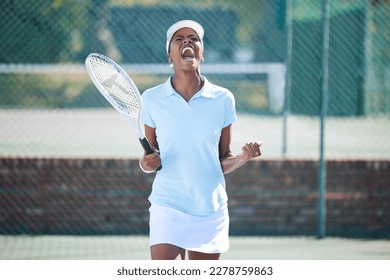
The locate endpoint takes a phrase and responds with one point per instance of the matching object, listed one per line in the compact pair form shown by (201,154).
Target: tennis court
(88,134)
(48,109)
(241,248)
(104,133)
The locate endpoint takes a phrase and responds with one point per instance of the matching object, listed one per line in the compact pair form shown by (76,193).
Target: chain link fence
(50,109)
(45,42)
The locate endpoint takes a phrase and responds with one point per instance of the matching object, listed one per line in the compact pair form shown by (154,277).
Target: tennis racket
(120,91)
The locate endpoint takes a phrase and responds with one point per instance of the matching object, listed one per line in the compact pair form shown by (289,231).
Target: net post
(324,102)
(286,108)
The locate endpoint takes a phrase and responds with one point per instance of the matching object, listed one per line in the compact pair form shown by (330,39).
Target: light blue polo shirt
(188,133)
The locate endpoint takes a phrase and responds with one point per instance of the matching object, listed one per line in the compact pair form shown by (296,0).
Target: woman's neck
(187,84)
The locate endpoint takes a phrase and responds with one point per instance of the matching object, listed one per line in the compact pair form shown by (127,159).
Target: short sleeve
(146,117)
(231,115)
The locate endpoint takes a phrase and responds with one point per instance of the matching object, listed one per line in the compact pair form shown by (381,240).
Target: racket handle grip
(145,144)
(148,148)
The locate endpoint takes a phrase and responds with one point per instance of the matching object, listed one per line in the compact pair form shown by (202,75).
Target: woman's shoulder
(154,90)
(220,90)
(158,91)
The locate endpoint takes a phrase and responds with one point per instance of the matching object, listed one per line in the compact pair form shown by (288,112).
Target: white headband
(181,24)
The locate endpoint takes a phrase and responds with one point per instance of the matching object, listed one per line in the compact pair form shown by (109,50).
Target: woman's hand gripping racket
(120,90)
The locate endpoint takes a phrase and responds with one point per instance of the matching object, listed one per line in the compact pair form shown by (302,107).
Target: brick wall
(267,197)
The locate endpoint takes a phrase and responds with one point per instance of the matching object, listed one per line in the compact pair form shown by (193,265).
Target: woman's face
(185,48)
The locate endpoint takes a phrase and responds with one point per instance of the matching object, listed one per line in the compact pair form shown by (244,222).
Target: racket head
(119,90)
(114,84)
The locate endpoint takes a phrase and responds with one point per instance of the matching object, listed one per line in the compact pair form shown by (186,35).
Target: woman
(188,120)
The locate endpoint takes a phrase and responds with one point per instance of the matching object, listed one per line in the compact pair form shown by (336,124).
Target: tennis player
(188,120)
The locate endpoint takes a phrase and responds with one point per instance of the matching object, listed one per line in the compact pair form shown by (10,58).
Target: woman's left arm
(230,162)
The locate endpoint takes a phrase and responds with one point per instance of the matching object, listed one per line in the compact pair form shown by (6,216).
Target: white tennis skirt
(206,234)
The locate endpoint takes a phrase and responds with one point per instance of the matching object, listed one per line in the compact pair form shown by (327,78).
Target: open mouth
(188,53)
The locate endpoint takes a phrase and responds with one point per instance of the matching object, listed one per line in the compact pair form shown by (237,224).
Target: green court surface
(242,248)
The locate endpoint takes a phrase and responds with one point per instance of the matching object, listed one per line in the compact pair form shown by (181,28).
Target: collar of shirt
(205,91)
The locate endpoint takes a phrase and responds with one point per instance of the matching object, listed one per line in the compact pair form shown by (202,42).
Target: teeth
(187,49)
(188,52)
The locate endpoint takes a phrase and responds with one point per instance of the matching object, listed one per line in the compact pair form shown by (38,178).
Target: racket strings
(116,86)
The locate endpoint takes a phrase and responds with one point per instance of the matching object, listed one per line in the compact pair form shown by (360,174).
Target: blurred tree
(40,31)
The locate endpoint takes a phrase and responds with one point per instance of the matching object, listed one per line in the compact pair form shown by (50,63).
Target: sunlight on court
(104,133)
